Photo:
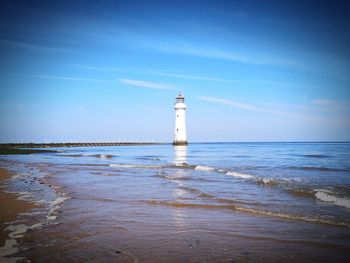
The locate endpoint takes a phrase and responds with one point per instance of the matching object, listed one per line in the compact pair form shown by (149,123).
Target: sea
(205,202)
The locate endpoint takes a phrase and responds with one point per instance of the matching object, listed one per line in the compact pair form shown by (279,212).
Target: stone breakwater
(73,144)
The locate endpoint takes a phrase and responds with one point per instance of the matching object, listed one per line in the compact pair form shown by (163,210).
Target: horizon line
(166,142)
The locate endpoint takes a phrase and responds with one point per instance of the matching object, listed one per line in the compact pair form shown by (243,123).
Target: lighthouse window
(177,130)
(177,115)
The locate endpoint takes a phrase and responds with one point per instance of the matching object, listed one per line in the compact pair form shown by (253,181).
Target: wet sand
(10,206)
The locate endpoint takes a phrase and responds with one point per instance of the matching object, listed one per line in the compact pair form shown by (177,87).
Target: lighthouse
(180,137)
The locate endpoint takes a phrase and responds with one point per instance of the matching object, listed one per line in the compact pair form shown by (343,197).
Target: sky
(110,70)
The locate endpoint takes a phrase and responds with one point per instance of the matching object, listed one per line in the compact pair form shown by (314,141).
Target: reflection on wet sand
(180,157)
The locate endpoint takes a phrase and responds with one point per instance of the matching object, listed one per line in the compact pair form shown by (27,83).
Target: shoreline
(10,206)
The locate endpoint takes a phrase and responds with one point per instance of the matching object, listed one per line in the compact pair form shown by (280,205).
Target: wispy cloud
(64,78)
(285,84)
(232,103)
(331,103)
(249,107)
(89,67)
(185,48)
(165,73)
(147,84)
(185,76)
(33,47)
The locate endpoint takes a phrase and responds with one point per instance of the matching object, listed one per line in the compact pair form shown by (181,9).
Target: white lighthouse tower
(180,137)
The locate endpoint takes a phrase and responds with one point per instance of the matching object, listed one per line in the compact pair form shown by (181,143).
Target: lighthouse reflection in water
(180,158)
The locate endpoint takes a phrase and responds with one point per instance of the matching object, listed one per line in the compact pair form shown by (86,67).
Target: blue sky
(110,70)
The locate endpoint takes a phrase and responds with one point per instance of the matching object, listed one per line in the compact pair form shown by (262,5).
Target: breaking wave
(245,176)
(204,168)
(331,197)
(298,191)
(240,175)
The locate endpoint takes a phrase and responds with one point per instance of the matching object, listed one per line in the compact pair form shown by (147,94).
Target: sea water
(195,203)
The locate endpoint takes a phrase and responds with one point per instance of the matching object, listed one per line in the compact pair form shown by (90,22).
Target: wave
(197,192)
(230,173)
(181,166)
(324,195)
(315,168)
(240,175)
(284,183)
(207,196)
(302,192)
(122,165)
(102,156)
(146,166)
(148,158)
(328,196)
(268,181)
(71,155)
(204,168)
(316,156)
(315,220)
(194,167)
(256,179)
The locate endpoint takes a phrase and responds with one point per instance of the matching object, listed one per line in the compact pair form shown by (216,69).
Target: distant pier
(74,144)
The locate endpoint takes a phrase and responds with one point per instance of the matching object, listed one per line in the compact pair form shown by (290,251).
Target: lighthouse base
(180,143)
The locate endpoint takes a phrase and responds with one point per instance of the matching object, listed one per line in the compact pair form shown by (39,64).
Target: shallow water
(202,202)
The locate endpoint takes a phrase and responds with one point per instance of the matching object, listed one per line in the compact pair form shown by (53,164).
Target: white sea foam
(11,245)
(204,168)
(269,181)
(329,197)
(9,249)
(124,165)
(135,166)
(240,175)
(54,206)
(25,196)
(51,217)
(41,201)
(17,176)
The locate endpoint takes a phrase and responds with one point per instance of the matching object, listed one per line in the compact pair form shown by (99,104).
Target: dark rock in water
(118,252)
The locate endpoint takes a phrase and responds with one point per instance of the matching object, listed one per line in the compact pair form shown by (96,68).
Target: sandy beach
(10,206)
